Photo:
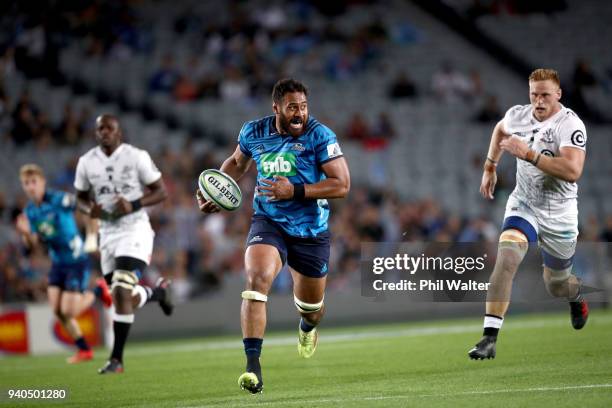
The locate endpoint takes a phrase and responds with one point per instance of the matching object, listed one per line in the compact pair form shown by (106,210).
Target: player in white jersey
(110,182)
(548,141)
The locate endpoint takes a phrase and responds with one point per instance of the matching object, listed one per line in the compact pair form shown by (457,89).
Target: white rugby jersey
(563,129)
(124,173)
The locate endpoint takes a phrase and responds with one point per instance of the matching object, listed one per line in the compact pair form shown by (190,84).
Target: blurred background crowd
(411,88)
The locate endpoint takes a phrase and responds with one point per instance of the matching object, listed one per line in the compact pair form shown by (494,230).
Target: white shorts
(135,243)
(554,222)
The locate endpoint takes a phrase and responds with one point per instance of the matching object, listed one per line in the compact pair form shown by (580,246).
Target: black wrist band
(492,161)
(299,193)
(136,205)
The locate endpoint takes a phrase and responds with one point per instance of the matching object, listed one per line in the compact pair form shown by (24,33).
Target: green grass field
(541,361)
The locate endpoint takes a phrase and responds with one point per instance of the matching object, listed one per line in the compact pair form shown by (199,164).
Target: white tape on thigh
(307,307)
(254,295)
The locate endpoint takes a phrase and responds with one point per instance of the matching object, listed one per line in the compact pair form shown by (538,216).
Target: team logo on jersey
(333,150)
(578,138)
(298,147)
(548,153)
(548,136)
(280,164)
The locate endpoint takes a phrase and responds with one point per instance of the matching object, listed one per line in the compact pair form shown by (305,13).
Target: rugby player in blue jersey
(299,166)
(48,219)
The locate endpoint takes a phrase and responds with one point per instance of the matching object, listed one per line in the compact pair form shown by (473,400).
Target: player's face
(108,133)
(544,97)
(34,187)
(292,113)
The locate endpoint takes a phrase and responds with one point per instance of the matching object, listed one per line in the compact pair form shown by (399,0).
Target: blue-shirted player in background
(48,219)
(299,166)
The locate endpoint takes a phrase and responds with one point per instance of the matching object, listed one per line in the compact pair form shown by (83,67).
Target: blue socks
(305,326)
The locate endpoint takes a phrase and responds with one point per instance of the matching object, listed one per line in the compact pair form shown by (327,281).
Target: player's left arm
(156,194)
(336,185)
(568,166)
(149,175)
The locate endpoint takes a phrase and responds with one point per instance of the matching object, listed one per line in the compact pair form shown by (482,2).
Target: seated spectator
(490,111)
(358,129)
(165,78)
(450,85)
(402,87)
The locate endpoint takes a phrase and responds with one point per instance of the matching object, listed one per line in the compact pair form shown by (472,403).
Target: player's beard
(285,124)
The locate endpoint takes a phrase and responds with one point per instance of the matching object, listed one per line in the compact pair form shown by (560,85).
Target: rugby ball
(221,189)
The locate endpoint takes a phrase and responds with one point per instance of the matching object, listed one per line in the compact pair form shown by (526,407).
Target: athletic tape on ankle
(307,307)
(494,322)
(254,295)
(140,290)
(123,318)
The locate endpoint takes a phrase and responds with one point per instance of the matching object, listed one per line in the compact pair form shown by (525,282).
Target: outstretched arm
(235,166)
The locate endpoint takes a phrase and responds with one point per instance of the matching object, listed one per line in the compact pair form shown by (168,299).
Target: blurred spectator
(402,87)
(165,78)
(490,111)
(358,129)
(450,85)
(233,86)
(68,132)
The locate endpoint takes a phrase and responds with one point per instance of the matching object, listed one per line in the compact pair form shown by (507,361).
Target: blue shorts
(70,277)
(308,256)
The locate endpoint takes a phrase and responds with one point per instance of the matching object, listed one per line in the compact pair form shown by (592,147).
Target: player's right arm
(235,166)
(87,206)
(494,154)
(82,185)
(29,237)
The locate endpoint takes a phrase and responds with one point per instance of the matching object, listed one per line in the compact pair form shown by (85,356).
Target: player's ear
(275,108)
(559,94)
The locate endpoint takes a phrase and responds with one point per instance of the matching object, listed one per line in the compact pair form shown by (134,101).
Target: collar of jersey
(549,119)
(116,152)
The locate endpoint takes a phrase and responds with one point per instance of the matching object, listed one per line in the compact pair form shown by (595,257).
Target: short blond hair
(31,169)
(543,74)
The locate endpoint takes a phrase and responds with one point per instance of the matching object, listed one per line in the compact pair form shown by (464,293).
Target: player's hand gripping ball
(218,188)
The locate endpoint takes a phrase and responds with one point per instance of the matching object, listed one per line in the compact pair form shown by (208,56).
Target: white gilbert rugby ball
(218,187)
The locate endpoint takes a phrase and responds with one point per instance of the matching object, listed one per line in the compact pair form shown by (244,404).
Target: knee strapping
(254,295)
(304,307)
(124,279)
(142,293)
(515,241)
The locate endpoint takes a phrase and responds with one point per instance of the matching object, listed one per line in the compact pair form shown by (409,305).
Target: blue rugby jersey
(53,221)
(297,158)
